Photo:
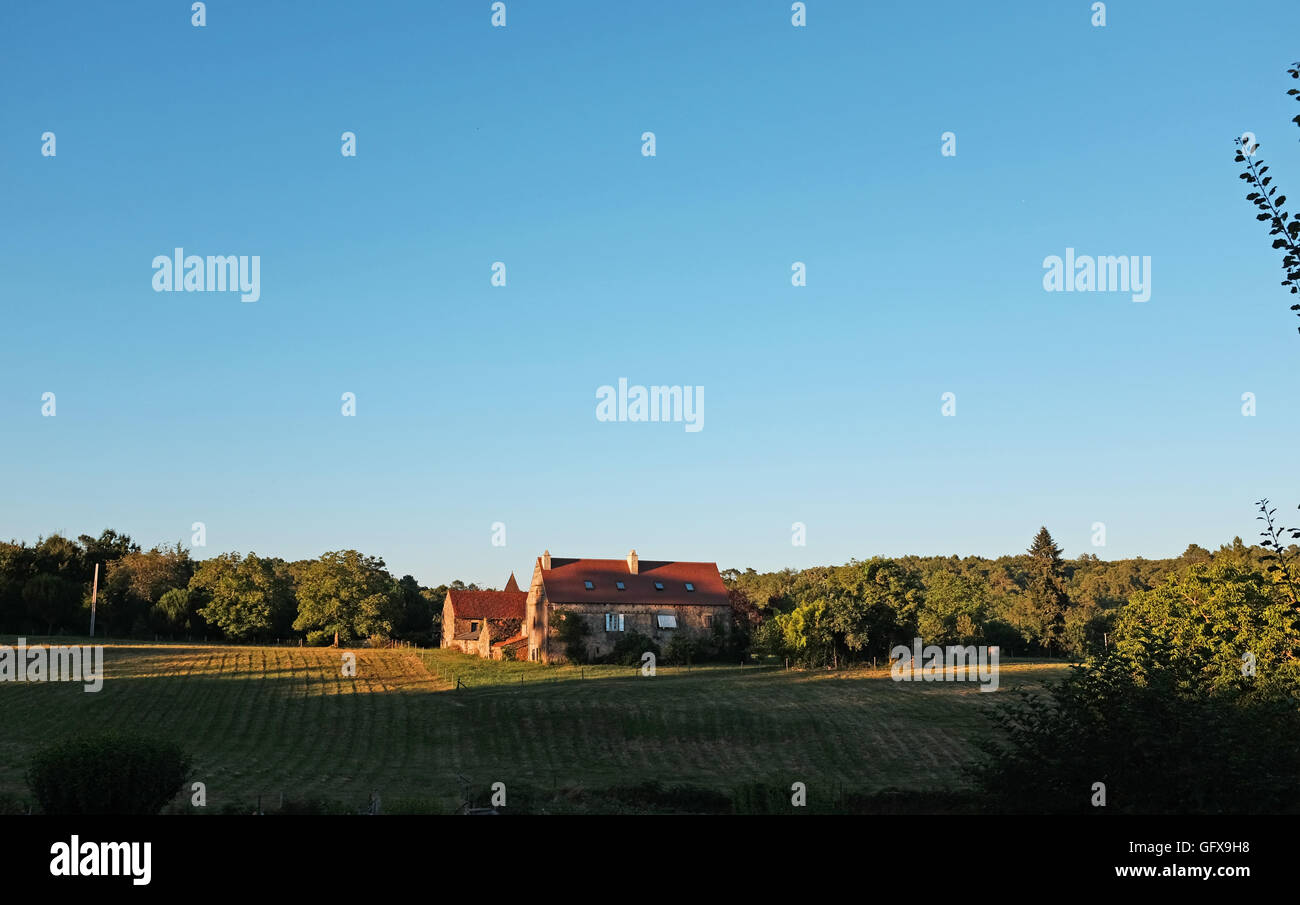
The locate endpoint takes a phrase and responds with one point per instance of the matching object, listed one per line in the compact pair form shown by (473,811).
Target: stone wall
(693,620)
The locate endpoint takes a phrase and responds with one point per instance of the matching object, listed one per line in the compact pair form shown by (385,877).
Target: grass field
(272,720)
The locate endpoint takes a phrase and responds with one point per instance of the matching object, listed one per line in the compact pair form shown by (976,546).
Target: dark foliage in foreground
(1159,747)
(112,773)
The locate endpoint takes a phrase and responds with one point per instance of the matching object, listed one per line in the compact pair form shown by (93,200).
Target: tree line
(1035,603)
(46,588)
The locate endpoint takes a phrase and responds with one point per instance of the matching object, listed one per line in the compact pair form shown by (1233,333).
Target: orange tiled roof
(488,604)
(566,582)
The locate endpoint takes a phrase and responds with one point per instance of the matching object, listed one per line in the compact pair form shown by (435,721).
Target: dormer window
(659,585)
(588,585)
(689,586)
(620,586)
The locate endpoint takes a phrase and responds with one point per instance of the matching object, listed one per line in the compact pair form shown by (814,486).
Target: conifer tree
(1046,589)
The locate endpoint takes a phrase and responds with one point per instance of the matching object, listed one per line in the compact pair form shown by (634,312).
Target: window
(668,621)
(588,585)
(659,585)
(613,622)
(620,586)
(708,620)
(473,626)
(689,586)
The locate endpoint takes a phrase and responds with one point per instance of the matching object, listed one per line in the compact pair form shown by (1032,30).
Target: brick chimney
(631,562)
(546,560)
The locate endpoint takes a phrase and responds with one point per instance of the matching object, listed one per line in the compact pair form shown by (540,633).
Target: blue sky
(775,144)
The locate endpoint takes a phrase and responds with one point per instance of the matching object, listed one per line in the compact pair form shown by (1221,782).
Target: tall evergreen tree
(1046,590)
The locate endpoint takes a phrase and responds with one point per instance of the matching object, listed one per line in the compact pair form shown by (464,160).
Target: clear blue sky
(775,144)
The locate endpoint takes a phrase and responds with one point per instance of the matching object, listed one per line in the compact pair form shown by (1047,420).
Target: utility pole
(94,595)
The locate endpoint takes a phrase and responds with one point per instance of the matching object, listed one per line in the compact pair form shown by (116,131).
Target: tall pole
(94,595)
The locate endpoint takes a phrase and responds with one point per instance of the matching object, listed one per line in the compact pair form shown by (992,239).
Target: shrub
(1159,747)
(571,630)
(680,650)
(629,649)
(111,773)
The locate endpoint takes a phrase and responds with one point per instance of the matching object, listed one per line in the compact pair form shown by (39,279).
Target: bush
(111,773)
(681,650)
(319,638)
(629,649)
(1159,747)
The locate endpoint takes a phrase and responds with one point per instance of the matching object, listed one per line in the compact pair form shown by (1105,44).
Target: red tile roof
(564,582)
(488,604)
(512,585)
(517,639)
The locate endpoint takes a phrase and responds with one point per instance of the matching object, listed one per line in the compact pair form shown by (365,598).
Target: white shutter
(620,622)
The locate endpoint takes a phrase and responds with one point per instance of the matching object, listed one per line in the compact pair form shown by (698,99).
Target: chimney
(631,562)
(546,560)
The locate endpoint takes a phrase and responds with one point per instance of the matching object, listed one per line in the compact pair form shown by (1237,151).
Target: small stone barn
(487,623)
(615,596)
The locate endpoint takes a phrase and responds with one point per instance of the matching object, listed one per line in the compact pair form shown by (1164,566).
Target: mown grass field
(272,720)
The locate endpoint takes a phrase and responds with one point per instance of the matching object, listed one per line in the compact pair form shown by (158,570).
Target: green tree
(134,583)
(875,604)
(349,594)
(1045,596)
(176,613)
(107,547)
(52,600)
(1227,625)
(954,610)
(416,622)
(807,633)
(246,597)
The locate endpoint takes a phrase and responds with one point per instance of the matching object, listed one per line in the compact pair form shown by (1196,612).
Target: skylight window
(659,585)
(588,585)
(689,586)
(620,586)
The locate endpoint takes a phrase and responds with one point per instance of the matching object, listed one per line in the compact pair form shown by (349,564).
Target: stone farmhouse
(611,596)
(486,622)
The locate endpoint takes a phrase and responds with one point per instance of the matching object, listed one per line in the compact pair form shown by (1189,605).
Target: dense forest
(1031,604)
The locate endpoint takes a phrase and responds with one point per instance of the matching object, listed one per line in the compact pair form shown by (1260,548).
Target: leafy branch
(1271,209)
(1279,558)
